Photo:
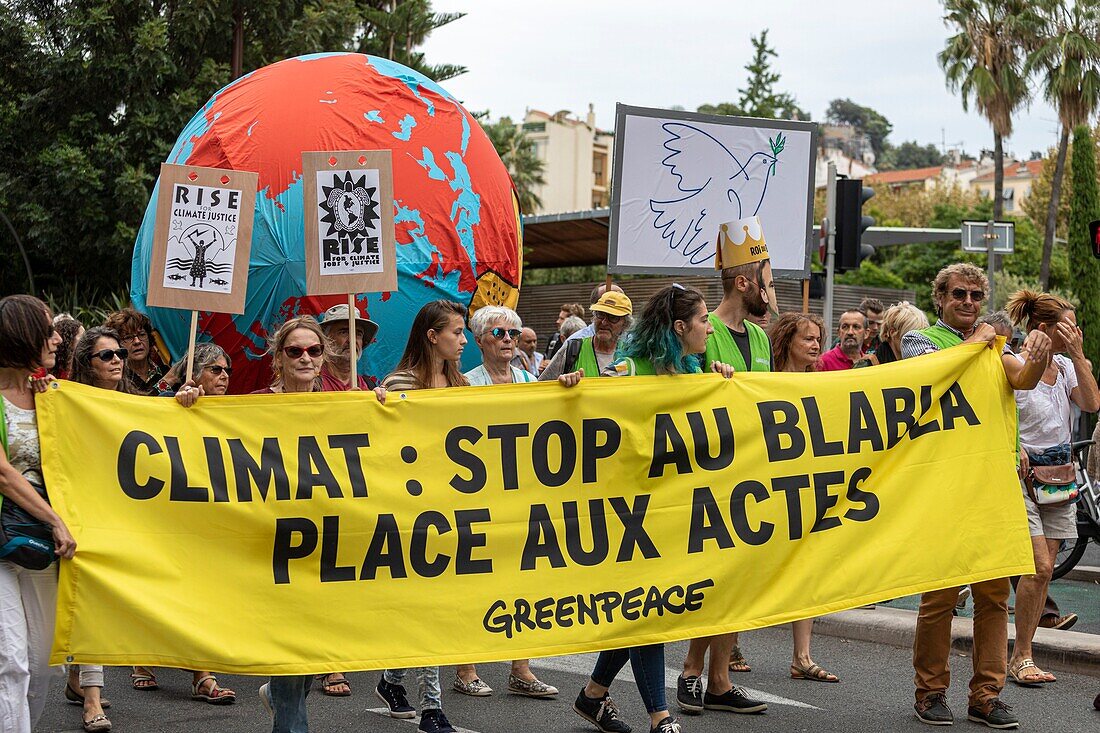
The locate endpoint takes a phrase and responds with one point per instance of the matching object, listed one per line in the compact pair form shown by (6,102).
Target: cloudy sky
(566,54)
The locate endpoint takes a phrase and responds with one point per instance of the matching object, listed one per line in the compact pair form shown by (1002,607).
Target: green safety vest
(721,347)
(639,366)
(586,359)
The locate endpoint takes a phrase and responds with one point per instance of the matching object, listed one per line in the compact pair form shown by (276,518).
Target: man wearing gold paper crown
(747,290)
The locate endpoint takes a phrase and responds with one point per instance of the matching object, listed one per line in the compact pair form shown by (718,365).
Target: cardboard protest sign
(203,238)
(349,222)
(679,175)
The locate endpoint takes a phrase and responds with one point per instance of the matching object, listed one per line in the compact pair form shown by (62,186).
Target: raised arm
(1026,374)
(1085,395)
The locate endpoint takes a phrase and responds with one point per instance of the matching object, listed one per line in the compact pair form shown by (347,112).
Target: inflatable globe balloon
(456,216)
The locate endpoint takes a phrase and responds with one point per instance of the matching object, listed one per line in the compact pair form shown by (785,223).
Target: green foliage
(520,158)
(871,275)
(866,120)
(759,98)
(1008,283)
(909,154)
(1084,268)
(94,92)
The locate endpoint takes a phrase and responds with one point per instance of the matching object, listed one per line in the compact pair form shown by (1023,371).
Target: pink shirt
(833,360)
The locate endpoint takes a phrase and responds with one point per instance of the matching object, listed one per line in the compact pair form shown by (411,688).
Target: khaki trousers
(932,644)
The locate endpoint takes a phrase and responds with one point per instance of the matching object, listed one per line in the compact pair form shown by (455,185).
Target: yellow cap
(613,303)
(739,243)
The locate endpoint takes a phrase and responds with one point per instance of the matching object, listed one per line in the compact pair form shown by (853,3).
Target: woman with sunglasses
(496,330)
(437,338)
(28,597)
(98,361)
(667,338)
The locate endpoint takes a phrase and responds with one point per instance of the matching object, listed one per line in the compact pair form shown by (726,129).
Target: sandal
(216,695)
(97,723)
(1032,679)
(738,663)
(76,697)
(146,682)
(814,672)
(331,682)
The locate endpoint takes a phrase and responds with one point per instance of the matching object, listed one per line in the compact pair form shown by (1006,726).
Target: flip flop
(216,696)
(327,685)
(1034,679)
(814,672)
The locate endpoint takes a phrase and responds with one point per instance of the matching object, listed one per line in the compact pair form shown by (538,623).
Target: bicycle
(1088,515)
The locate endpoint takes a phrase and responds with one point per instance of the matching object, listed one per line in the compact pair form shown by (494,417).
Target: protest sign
(349,222)
(679,175)
(203,238)
(516,521)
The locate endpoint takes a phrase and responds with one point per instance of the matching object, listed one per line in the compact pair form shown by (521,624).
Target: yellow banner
(305,533)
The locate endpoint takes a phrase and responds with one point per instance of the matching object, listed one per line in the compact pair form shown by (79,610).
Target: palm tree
(1068,58)
(985,61)
(518,153)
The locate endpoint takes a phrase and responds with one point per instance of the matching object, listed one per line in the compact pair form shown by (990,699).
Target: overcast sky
(566,54)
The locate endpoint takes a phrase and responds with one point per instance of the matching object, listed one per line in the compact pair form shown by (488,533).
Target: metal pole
(26,260)
(990,238)
(830,254)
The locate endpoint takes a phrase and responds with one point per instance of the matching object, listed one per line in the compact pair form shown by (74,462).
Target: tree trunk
(236,65)
(998,193)
(1052,209)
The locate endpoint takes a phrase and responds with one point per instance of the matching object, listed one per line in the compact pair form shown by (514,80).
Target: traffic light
(851,223)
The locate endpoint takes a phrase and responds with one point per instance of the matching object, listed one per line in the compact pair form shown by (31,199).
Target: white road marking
(385,712)
(582,664)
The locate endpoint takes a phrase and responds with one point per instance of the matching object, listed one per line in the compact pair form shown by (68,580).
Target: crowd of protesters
(674,333)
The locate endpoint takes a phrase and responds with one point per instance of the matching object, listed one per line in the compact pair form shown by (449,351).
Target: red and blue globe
(457,221)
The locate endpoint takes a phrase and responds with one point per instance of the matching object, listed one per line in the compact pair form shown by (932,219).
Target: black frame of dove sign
(678,175)
(203,234)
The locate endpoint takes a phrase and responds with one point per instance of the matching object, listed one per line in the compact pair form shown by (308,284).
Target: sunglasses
(608,317)
(499,333)
(960,294)
(295,352)
(217,369)
(110,354)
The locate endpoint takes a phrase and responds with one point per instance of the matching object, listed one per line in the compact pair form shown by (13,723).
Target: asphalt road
(874,694)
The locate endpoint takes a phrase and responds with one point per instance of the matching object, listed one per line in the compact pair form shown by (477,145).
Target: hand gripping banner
(282,534)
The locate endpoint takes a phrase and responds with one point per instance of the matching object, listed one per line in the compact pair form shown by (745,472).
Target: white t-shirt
(479,377)
(1045,411)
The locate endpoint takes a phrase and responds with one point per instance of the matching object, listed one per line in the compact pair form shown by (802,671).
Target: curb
(1063,651)
(1084,572)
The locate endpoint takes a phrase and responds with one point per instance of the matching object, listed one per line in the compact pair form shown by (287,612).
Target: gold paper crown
(739,243)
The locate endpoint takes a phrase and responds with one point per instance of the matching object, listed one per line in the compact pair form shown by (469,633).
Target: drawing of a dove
(716,185)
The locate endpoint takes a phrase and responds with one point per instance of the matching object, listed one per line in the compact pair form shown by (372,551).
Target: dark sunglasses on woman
(217,369)
(499,333)
(295,352)
(110,354)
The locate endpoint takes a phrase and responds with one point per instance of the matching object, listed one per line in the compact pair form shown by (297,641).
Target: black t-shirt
(742,341)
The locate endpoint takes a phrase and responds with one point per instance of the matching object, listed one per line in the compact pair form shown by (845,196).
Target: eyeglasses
(110,354)
(960,294)
(499,333)
(600,315)
(132,337)
(217,369)
(295,352)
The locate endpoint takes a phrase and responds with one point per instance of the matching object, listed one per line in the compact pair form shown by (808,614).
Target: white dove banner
(679,175)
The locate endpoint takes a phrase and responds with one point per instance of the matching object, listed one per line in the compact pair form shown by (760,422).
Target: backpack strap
(572,352)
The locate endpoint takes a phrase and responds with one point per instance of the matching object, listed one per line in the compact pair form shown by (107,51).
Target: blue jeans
(427,678)
(648,664)
(288,703)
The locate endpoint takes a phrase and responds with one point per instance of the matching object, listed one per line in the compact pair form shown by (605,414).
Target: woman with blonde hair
(898,320)
(1046,430)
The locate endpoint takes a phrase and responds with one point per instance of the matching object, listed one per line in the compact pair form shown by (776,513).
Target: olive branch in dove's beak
(777,146)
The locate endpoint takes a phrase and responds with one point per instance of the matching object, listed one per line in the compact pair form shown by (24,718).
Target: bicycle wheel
(1069,556)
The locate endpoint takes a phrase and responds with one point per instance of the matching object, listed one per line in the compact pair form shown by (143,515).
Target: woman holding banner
(28,577)
(436,341)
(297,356)
(666,339)
(495,330)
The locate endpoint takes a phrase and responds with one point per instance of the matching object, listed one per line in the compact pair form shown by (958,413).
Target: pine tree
(1084,268)
(759,98)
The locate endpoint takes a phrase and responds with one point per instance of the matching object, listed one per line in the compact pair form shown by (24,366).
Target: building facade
(577,157)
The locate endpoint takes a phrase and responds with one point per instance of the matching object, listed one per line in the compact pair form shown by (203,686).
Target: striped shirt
(916,343)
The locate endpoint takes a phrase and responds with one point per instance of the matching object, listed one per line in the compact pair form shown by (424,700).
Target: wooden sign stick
(351,341)
(191,346)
